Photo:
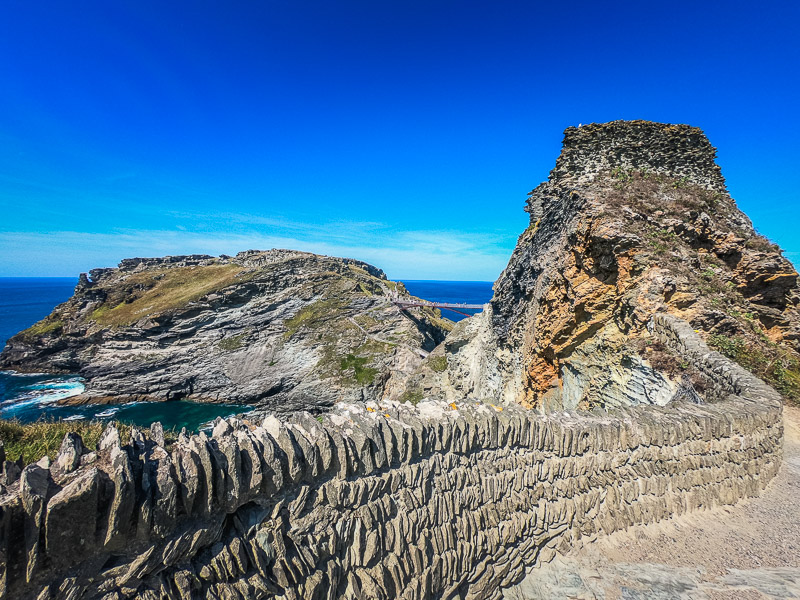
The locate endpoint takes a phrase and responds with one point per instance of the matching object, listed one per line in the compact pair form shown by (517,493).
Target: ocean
(456,292)
(32,397)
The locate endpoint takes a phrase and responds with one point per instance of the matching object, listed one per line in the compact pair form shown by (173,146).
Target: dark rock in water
(280,329)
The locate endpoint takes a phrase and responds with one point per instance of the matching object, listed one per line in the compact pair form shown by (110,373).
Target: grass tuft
(231,343)
(771,363)
(414,396)
(32,441)
(313,315)
(35,440)
(362,373)
(438,363)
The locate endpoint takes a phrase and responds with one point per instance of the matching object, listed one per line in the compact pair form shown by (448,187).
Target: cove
(31,398)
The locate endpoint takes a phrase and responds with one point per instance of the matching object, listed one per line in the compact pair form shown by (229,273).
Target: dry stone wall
(433,501)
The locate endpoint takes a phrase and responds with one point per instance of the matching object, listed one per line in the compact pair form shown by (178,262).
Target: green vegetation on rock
(313,315)
(438,363)
(154,293)
(32,441)
(361,373)
(768,361)
(35,440)
(43,327)
(231,343)
(414,396)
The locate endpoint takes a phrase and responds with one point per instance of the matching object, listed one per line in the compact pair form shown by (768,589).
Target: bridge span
(455,307)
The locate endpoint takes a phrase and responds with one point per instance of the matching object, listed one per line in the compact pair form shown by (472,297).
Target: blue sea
(454,292)
(31,397)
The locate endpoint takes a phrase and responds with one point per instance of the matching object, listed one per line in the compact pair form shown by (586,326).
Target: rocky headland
(634,220)
(278,329)
(587,399)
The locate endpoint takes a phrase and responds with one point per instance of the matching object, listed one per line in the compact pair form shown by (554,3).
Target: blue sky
(403,133)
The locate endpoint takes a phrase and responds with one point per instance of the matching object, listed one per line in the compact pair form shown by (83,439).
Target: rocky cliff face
(279,329)
(634,220)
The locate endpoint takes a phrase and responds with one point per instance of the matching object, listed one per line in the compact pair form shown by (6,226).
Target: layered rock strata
(278,329)
(377,501)
(633,220)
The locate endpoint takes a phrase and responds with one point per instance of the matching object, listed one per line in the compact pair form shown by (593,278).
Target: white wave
(107,413)
(45,393)
(60,391)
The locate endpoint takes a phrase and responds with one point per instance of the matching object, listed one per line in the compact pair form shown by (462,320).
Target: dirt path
(368,335)
(750,551)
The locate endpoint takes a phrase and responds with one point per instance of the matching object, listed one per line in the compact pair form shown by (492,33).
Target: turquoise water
(29,398)
(32,398)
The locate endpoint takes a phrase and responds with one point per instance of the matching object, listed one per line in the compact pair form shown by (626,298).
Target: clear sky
(402,133)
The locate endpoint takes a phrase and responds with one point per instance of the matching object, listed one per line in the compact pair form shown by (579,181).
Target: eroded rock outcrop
(379,501)
(279,329)
(634,220)
(602,306)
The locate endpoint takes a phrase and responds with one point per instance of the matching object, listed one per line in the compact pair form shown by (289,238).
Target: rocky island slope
(634,220)
(279,329)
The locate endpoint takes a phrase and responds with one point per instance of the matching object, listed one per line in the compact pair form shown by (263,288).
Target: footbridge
(455,307)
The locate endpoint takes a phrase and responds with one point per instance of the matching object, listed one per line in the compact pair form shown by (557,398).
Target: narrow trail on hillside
(750,551)
(368,335)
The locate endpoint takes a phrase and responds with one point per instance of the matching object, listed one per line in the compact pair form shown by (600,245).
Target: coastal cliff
(634,220)
(635,263)
(277,329)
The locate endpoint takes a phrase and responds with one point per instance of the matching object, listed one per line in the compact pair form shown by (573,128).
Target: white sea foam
(107,413)
(59,390)
(47,392)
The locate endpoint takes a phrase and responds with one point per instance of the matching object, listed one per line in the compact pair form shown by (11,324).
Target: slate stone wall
(433,501)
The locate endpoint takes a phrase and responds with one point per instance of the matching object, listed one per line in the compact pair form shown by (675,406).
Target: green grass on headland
(362,374)
(154,293)
(43,327)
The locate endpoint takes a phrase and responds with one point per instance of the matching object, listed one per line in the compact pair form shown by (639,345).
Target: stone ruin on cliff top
(584,400)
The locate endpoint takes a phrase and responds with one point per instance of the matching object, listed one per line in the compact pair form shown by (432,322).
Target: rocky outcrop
(634,255)
(378,501)
(634,220)
(278,329)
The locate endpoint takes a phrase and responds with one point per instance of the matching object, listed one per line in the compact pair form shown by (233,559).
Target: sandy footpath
(748,551)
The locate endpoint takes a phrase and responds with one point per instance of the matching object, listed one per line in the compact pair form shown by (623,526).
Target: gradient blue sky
(403,133)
